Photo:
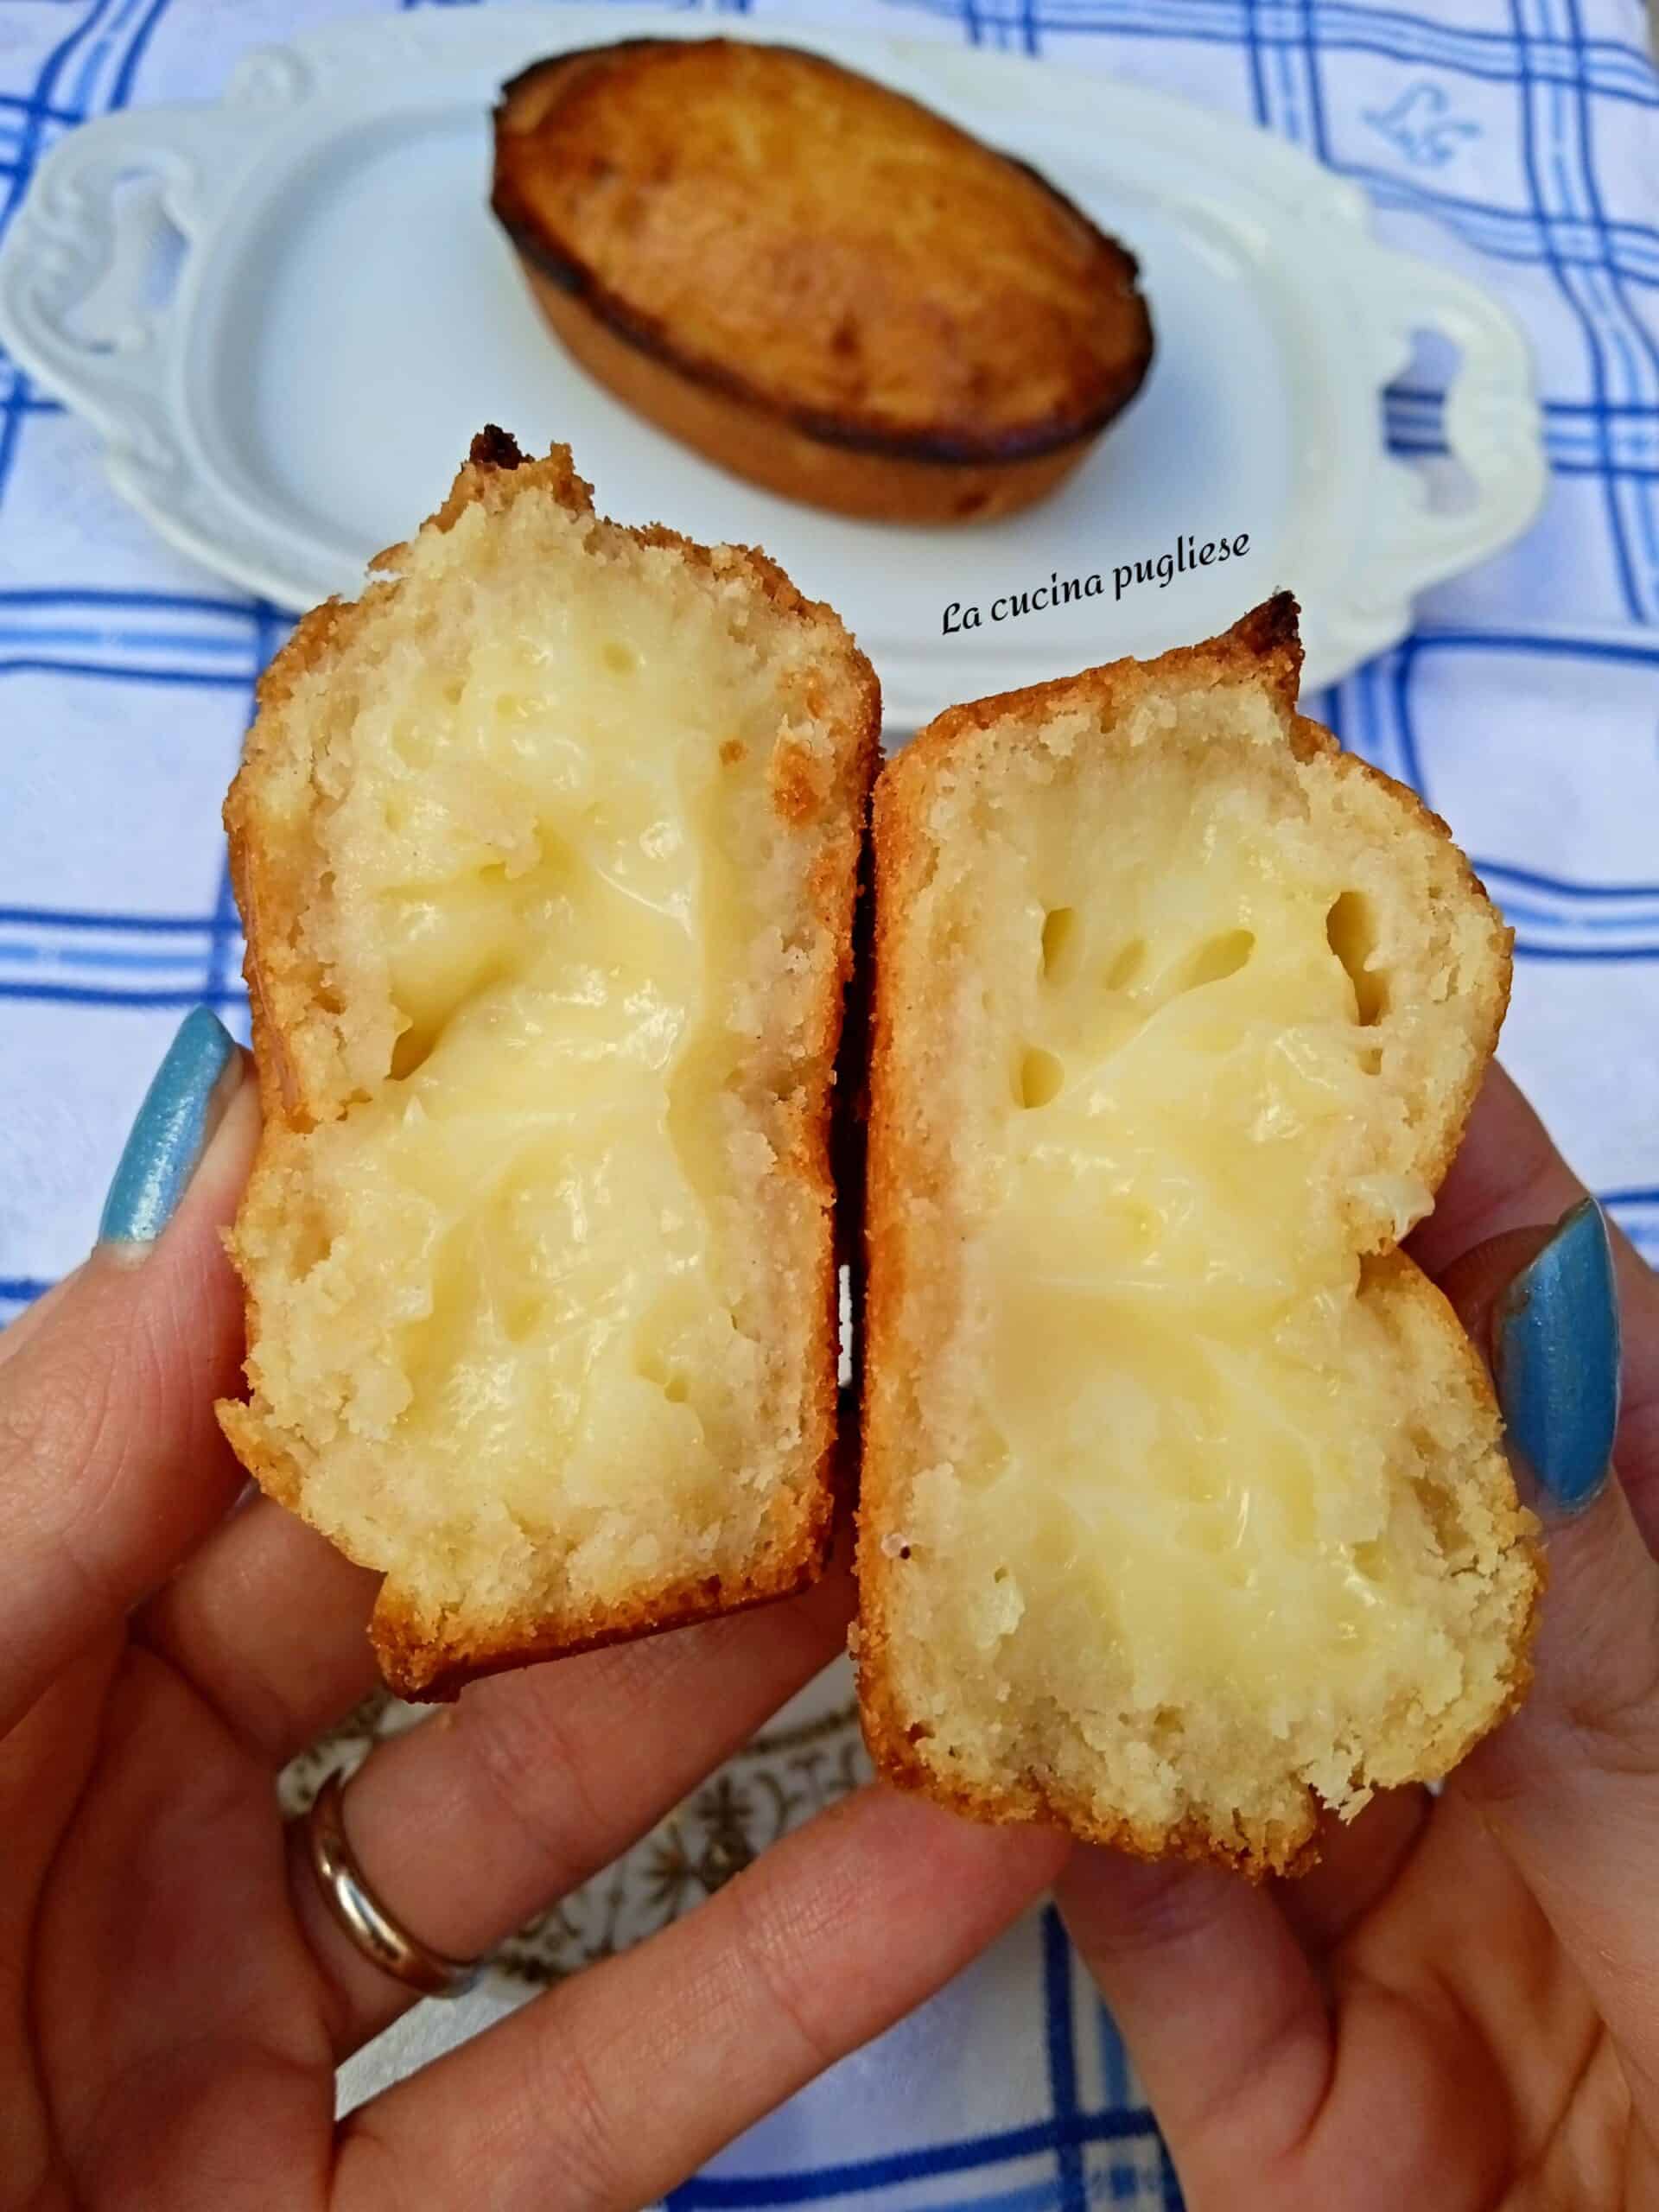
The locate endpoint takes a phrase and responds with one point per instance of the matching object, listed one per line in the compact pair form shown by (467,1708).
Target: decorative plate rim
(1363,299)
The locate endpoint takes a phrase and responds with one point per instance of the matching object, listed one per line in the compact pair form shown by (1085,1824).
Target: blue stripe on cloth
(1623,438)
(816,2184)
(66,115)
(68,953)
(1173,2201)
(81,918)
(1038,2197)
(1289,95)
(247,610)
(1113,2059)
(1635,443)
(1618,71)
(270,629)
(1534,879)
(1643,913)
(1425,448)
(179,640)
(1320,142)
(1377,738)
(1405,736)
(1630,343)
(1527,948)
(226,926)
(99,956)
(88,994)
(1637,1212)
(1547,935)
(119,671)
(122,92)
(83,92)
(1532,130)
(157,643)
(1615,71)
(1253,54)
(1630,651)
(1332,713)
(111,60)
(1060,2043)
(1554,917)
(18,403)
(1645,409)
(1523,234)
(40,111)
(1636,339)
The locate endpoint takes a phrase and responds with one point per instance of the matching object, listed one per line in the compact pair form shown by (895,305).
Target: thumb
(1570,1785)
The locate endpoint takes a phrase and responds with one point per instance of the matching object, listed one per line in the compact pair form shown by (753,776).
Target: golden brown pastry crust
(784,265)
(903,1169)
(284,986)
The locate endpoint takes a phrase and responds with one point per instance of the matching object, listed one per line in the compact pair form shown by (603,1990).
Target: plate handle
(1492,423)
(86,305)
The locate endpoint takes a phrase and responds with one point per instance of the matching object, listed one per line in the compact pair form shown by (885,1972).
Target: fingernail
(180,1111)
(1555,1345)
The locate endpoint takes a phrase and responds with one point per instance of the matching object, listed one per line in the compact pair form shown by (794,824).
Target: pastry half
(546,848)
(1184,1509)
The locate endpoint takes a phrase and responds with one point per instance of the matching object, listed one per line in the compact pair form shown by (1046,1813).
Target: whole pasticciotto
(813,279)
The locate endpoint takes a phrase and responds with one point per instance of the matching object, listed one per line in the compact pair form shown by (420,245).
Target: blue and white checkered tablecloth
(1517,140)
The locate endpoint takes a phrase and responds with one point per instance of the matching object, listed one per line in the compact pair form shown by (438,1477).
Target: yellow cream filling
(546,848)
(1181,1380)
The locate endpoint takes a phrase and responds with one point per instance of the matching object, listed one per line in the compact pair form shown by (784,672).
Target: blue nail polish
(167,1137)
(1556,1342)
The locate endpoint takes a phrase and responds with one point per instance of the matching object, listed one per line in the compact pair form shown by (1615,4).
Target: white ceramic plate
(296,387)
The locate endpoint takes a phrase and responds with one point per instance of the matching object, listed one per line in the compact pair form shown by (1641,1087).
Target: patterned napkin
(1518,142)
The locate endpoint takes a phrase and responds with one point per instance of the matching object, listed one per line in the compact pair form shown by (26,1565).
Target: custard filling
(522,1332)
(1181,1468)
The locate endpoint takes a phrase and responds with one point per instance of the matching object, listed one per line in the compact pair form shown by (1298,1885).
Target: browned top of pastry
(790,232)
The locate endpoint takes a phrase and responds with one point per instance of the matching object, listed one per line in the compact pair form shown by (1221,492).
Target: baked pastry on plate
(813,279)
(546,849)
(1184,1509)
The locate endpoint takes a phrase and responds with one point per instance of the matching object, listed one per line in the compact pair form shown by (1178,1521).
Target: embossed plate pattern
(344,315)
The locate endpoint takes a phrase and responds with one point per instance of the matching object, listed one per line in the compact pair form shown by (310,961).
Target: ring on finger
(377,1933)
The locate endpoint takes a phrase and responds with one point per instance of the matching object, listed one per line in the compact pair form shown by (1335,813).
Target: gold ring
(361,1913)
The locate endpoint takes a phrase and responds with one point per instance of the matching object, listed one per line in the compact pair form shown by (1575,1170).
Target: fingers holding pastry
(623,2079)
(1358,1864)
(1570,1786)
(1218,2003)
(270,1624)
(1506,1184)
(111,1467)
(531,1782)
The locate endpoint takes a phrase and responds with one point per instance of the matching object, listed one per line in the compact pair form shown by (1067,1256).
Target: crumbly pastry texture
(546,848)
(1184,1513)
(813,279)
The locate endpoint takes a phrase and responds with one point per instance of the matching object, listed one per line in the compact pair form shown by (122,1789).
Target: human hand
(174,1995)
(1459,2007)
